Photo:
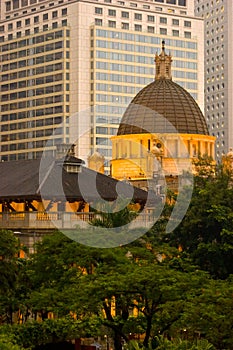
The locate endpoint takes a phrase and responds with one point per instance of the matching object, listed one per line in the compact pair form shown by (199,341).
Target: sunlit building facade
(161,134)
(70,68)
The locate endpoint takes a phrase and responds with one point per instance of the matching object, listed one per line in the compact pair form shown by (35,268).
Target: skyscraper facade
(69,68)
(218,29)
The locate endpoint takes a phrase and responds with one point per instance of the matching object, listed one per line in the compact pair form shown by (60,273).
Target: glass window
(101,130)
(112,24)
(45,17)
(187,35)
(98,22)
(138,16)
(102,141)
(64,12)
(175,32)
(187,24)
(163,31)
(15,4)
(150,29)
(112,13)
(192,86)
(150,18)
(182,2)
(191,45)
(98,10)
(125,14)
(172,2)
(113,131)
(138,27)
(125,25)
(175,22)
(163,20)
(54,14)
(8,6)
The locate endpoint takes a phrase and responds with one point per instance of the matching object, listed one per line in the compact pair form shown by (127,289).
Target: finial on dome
(163,45)
(163,64)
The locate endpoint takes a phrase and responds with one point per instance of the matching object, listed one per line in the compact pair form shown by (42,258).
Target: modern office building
(218,26)
(69,68)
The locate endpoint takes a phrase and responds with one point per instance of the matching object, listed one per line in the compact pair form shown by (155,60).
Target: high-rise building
(69,68)
(218,26)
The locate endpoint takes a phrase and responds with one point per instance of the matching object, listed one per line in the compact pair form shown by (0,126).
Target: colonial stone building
(161,131)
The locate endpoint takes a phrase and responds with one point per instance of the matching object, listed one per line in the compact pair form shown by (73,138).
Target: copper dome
(163,106)
(159,102)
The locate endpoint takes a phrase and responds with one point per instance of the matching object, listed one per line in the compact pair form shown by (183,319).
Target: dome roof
(159,102)
(163,106)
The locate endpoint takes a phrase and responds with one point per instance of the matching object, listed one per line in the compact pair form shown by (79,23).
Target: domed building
(161,131)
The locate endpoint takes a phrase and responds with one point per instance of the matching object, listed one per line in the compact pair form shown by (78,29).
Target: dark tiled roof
(19,178)
(28,179)
(158,106)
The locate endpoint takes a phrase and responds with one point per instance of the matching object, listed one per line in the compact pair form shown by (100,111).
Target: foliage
(206,234)
(209,314)
(179,344)
(7,343)
(34,333)
(10,266)
(162,343)
(114,214)
(178,285)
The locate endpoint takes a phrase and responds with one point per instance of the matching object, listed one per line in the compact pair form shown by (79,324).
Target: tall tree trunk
(117,341)
(148,331)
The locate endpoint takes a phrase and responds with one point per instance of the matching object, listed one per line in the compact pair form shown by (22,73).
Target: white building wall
(218,77)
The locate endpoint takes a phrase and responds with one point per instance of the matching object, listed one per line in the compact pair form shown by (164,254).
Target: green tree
(10,266)
(206,234)
(106,286)
(209,314)
(114,215)
(138,282)
(8,344)
(54,270)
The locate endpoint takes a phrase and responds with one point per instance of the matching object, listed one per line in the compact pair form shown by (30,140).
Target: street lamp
(107,343)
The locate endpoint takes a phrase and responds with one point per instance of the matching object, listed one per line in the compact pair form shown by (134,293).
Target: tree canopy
(173,287)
